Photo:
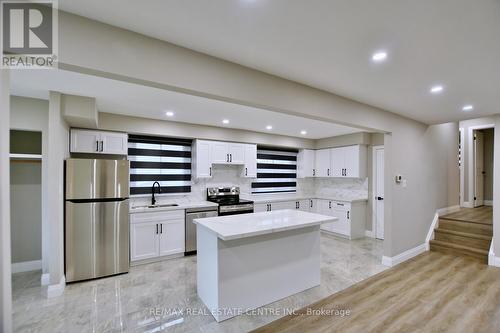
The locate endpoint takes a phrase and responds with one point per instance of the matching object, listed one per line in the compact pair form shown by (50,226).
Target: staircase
(465,233)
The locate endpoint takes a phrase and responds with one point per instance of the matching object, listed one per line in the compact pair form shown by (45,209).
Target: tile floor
(161,297)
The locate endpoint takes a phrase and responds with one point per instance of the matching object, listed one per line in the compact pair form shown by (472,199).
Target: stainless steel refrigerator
(96,218)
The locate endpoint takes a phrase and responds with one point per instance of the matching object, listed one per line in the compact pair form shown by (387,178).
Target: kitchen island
(250,260)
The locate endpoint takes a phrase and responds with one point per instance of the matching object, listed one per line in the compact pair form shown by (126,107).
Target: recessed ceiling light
(225,121)
(437,89)
(169,113)
(303,132)
(379,56)
(468,108)
(269,127)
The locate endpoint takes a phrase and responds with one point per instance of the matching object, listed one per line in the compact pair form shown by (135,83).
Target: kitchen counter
(248,225)
(244,260)
(181,204)
(293,197)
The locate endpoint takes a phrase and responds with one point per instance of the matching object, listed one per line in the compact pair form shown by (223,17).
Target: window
(276,170)
(165,160)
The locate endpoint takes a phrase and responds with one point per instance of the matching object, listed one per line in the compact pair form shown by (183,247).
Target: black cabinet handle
(380,198)
(348,215)
(340,204)
(210,171)
(330,205)
(328,172)
(227,157)
(230,157)
(314,172)
(311,203)
(246,171)
(157,229)
(97,146)
(161,228)
(298,204)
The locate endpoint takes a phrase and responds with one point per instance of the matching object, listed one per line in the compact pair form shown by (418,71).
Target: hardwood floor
(467,232)
(432,292)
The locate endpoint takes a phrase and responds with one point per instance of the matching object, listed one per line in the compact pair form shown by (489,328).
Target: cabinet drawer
(157,216)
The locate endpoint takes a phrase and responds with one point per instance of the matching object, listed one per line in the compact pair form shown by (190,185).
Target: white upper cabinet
(206,153)
(237,153)
(114,143)
(323,164)
(250,167)
(219,152)
(306,163)
(201,159)
(347,162)
(98,142)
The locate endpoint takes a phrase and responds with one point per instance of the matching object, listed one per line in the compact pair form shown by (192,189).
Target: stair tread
(463,234)
(465,221)
(459,247)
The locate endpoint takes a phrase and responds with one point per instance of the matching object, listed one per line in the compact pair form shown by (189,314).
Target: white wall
(467,149)
(32,114)
(5,261)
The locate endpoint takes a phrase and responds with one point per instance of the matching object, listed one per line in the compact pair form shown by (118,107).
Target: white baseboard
(448,210)
(468,204)
(55,290)
(369,233)
(406,255)
(45,279)
(26,266)
(488,202)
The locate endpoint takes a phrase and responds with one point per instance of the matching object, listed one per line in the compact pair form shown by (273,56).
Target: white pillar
(58,137)
(5,259)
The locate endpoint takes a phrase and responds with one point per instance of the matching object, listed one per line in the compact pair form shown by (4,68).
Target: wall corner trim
(55,290)
(45,279)
(492,259)
(404,256)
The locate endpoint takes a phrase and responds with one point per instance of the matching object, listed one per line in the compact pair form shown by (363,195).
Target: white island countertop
(254,224)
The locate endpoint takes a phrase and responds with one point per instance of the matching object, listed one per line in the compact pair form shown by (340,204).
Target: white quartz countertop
(181,204)
(254,224)
(292,197)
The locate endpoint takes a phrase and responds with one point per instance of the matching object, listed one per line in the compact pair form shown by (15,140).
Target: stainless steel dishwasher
(191,214)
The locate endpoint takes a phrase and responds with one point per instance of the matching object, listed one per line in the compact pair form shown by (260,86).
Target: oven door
(235,209)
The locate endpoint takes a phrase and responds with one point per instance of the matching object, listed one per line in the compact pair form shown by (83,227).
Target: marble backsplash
(230,175)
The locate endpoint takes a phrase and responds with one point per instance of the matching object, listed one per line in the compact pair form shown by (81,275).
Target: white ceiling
(136,100)
(328,44)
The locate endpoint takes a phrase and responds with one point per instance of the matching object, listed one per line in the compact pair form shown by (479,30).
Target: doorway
(483,166)
(378,192)
(26,200)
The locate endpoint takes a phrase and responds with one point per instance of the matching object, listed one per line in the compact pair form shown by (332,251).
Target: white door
(172,237)
(478,168)
(323,207)
(143,240)
(203,165)
(337,162)
(250,167)
(220,152)
(306,163)
(237,153)
(83,141)
(323,163)
(378,190)
(114,143)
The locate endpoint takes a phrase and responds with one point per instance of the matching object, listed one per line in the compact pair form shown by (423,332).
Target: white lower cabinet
(156,234)
(351,217)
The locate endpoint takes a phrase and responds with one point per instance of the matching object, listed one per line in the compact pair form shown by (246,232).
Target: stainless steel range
(229,200)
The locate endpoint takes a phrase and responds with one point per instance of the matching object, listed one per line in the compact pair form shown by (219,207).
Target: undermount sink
(157,206)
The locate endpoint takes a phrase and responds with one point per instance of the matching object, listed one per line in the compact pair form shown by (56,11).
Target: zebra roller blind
(165,160)
(276,170)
